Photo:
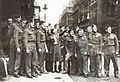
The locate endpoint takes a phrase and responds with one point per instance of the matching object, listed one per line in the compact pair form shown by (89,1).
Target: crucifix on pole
(45,8)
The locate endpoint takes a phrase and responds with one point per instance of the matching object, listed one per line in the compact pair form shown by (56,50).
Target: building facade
(66,18)
(99,12)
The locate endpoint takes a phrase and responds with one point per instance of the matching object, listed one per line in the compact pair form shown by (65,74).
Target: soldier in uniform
(70,50)
(111,48)
(10,44)
(96,50)
(31,57)
(41,46)
(82,49)
(18,39)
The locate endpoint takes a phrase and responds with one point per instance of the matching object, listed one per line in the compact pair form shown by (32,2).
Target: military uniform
(70,48)
(10,44)
(18,39)
(31,58)
(111,46)
(41,44)
(82,49)
(95,57)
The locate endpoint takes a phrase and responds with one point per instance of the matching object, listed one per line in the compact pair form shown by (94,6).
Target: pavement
(58,77)
(103,79)
(51,77)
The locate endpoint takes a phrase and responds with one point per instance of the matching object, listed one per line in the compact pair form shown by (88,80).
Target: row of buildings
(87,12)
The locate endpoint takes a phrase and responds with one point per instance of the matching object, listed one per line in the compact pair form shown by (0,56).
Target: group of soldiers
(31,44)
(82,45)
(25,45)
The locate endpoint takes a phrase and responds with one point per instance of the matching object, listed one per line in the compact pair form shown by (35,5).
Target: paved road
(51,77)
(103,79)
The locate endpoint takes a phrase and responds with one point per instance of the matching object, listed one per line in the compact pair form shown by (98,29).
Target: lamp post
(45,8)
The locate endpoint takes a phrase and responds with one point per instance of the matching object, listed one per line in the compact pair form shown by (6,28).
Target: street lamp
(45,8)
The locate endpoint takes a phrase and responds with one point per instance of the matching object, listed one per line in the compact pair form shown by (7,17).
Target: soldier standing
(41,46)
(10,44)
(82,49)
(70,50)
(18,39)
(31,56)
(95,57)
(111,48)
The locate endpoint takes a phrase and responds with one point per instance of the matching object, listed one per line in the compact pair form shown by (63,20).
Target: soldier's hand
(27,51)
(40,50)
(100,52)
(46,50)
(61,47)
(75,55)
(18,50)
(85,53)
(67,56)
(117,53)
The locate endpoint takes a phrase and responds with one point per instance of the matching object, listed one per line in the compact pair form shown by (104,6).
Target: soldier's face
(80,32)
(10,21)
(65,34)
(89,29)
(57,26)
(109,29)
(24,23)
(55,31)
(31,24)
(37,25)
(72,33)
(19,19)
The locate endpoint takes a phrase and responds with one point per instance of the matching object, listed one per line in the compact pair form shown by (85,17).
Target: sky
(55,9)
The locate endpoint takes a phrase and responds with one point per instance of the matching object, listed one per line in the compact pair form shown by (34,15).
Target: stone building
(99,12)
(66,18)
